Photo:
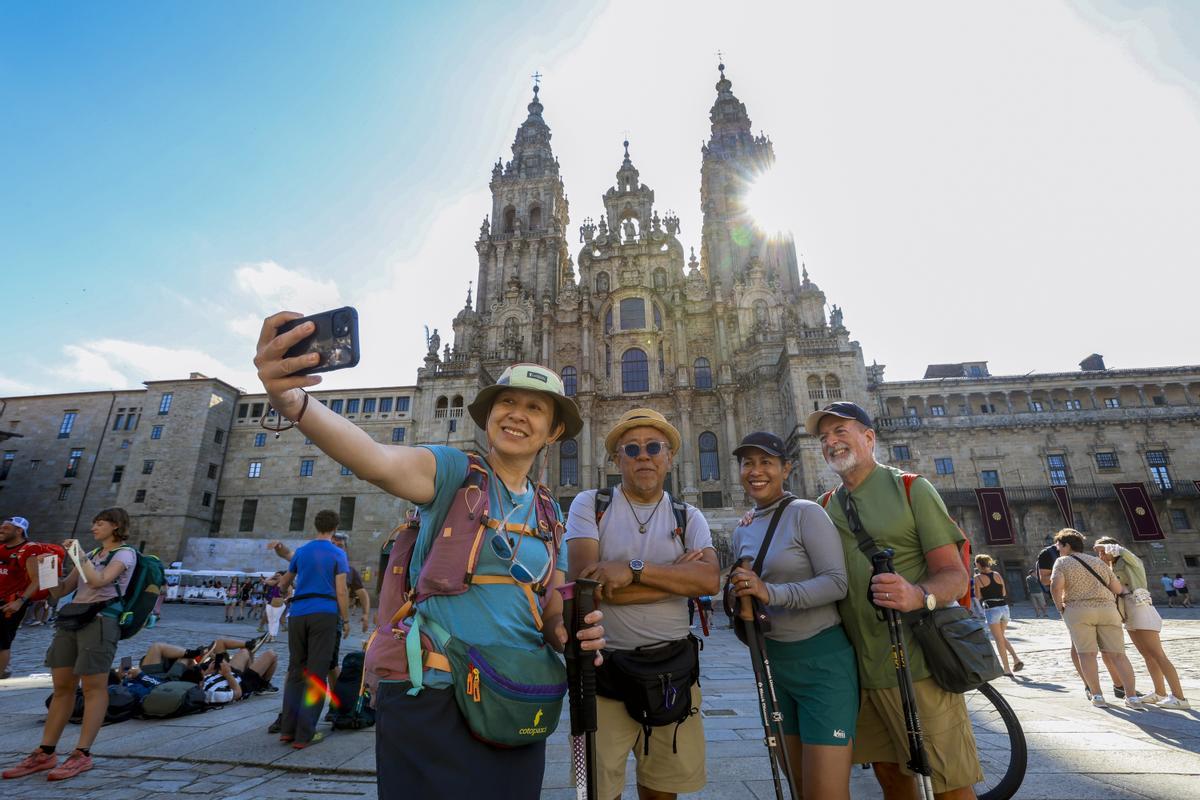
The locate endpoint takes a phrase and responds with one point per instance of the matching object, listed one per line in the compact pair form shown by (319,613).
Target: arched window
(535,218)
(457,402)
(833,387)
(510,219)
(703,373)
(442,402)
(635,371)
(568,463)
(510,330)
(633,313)
(657,317)
(710,461)
(601,283)
(660,279)
(608,320)
(760,313)
(569,381)
(815,392)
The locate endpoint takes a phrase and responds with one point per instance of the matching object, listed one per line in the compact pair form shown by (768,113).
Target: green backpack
(133,608)
(173,699)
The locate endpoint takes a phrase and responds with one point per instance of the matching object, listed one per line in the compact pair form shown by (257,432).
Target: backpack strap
(679,509)
(603,500)
(824,499)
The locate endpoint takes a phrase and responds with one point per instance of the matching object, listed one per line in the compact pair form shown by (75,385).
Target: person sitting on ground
(227,678)
(992,594)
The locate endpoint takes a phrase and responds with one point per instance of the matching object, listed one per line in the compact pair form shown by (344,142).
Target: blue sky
(1017,184)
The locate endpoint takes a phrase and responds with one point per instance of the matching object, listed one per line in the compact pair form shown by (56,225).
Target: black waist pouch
(654,682)
(77,616)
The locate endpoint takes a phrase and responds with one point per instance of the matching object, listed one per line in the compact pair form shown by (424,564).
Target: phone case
(335,340)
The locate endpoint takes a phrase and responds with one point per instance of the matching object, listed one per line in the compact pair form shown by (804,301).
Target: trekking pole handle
(881,564)
(746,602)
(585,603)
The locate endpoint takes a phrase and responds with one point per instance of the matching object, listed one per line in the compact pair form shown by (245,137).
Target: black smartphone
(127,663)
(335,340)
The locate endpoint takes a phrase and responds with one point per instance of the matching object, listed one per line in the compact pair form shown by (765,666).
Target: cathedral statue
(629,229)
(835,318)
(435,342)
(485,229)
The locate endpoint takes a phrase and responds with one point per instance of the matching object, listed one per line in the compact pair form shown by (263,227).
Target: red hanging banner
(997,521)
(1062,496)
(1139,511)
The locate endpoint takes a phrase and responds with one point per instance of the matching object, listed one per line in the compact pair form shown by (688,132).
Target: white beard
(844,463)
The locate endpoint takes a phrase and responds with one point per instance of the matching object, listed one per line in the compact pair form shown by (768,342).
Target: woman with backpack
(84,645)
(505,607)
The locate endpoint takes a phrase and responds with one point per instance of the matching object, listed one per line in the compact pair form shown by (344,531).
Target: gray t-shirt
(630,626)
(86,593)
(804,569)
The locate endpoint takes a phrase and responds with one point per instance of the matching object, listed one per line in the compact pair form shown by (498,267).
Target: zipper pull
(473,683)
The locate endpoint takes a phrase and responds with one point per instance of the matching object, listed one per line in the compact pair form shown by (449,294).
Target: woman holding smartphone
(84,645)
(423,745)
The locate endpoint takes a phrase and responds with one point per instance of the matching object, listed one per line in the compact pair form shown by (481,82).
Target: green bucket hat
(533,378)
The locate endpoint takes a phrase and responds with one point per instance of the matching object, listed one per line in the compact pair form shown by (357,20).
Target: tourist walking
(1037,595)
(992,595)
(1168,584)
(803,577)
(1181,589)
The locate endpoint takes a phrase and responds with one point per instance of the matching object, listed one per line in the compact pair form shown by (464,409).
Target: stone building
(736,339)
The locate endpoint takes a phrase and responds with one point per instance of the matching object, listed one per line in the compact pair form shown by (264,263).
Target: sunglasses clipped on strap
(633,449)
(506,550)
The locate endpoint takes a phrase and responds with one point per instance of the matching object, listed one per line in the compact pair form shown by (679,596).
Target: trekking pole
(918,761)
(579,599)
(754,615)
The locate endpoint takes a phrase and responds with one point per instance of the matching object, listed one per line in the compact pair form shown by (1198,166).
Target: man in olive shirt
(929,573)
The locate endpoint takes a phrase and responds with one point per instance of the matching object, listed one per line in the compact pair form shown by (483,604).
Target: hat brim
(674,441)
(812,423)
(568,412)
(737,453)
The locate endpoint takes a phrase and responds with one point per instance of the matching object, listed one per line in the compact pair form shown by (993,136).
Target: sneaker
(1176,703)
(76,763)
(253,644)
(37,761)
(1098,701)
(1151,699)
(1134,703)
(275,726)
(1119,691)
(316,739)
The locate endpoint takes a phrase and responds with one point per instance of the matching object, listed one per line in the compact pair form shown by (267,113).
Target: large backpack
(173,699)
(352,706)
(122,704)
(448,568)
(135,606)
(964,550)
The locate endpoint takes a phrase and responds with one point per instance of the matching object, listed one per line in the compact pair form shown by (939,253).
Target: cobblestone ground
(1076,751)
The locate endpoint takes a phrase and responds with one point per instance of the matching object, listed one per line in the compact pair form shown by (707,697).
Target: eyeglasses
(633,449)
(506,551)
(852,518)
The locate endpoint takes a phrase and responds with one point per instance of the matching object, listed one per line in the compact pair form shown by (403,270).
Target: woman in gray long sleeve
(803,577)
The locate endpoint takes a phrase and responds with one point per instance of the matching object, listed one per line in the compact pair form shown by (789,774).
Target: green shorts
(816,686)
(88,651)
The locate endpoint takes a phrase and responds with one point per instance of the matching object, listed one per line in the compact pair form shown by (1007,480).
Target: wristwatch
(930,600)
(637,565)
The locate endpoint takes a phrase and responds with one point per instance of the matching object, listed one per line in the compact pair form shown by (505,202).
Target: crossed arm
(692,574)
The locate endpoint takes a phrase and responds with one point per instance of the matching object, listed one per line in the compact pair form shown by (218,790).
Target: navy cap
(769,443)
(845,410)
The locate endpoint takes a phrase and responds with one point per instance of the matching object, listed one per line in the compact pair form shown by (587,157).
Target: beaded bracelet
(279,428)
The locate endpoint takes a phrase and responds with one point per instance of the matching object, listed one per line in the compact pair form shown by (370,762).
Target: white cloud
(10,387)
(270,287)
(120,364)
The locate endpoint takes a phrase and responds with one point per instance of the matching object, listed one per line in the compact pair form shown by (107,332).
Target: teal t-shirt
(485,613)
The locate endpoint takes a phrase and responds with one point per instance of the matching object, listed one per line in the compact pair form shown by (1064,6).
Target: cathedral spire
(532,156)
(730,122)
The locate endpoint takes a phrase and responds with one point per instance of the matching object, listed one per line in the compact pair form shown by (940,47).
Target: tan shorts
(617,734)
(949,740)
(1092,626)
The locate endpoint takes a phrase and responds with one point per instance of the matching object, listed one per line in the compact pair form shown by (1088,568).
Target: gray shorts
(89,651)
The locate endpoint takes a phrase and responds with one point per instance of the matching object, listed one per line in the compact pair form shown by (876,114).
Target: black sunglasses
(852,518)
(633,449)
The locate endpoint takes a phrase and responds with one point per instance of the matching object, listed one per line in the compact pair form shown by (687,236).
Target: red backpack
(965,549)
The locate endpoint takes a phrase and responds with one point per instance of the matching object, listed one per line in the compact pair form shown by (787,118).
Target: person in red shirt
(18,582)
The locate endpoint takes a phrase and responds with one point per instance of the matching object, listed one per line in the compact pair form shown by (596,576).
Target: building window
(118,473)
(711,500)
(570,380)
(911,411)
(635,371)
(352,406)
(306,467)
(256,410)
(131,421)
(990,478)
(68,422)
(710,460)
(944,466)
(6,464)
(1057,466)
(1157,461)
(212,472)
(345,471)
(243,410)
(219,436)
(336,406)
(657,317)
(73,463)
(633,313)
(1112,402)
(249,512)
(1179,520)
(987,408)
(568,463)
(125,444)
(385,405)
(402,405)
(369,405)
(1072,405)
(214,524)
(608,328)
(1158,400)
(255,469)
(346,513)
(120,419)
(164,405)
(1036,405)
(397,435)
(901,452)
(260,440)
(139,496)
(206,499)
(156,432)
(148,466)
(703,373)
(937,411)
(34,463)
(1107,461)
(1080,522)
(299,512)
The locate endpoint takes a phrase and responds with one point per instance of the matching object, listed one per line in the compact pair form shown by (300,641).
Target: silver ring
(887,595)
(745,584)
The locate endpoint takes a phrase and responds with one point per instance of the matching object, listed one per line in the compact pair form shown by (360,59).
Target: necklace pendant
(641,528)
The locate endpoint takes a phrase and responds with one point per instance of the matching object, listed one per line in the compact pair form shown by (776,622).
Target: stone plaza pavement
(1076,751)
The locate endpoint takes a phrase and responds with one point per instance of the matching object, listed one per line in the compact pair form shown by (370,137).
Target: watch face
(636,564)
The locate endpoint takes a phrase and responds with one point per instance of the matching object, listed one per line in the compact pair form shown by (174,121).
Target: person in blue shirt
(320,613)
(423,745)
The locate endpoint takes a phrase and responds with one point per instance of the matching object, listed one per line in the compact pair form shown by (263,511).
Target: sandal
(1018,665)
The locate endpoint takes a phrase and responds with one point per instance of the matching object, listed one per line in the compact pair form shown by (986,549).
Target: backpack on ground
(76,710)
(351,705)
(141,595)
(122,705)
(173,699)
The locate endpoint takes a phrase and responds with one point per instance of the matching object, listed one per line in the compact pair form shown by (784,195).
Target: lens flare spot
(768,201)
(316,692)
